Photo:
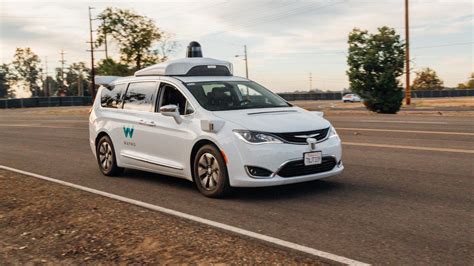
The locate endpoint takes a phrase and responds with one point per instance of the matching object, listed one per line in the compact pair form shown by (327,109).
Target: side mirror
(173,111)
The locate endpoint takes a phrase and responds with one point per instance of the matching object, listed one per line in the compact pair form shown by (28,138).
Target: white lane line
(407,131)
(38,126)
(407,147)
(233,229)
(404,122)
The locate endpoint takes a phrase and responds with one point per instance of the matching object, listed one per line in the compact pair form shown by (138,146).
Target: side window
(139,96)
(171,95)
(112,97)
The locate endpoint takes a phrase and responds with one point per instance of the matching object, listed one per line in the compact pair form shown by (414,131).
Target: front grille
(300,137)
(297,168)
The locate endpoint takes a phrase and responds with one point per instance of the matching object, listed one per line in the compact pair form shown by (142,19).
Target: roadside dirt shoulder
(42,222)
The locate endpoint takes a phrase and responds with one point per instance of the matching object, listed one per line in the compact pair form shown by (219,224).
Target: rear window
(112,97)
(140,96)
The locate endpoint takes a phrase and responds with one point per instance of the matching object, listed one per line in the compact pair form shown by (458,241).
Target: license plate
(312,158)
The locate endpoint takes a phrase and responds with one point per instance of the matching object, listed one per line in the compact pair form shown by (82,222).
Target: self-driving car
(191,118)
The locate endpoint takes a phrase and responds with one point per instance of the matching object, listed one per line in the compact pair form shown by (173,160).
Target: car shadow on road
(291,191)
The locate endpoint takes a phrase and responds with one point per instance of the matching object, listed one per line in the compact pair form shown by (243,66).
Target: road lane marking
(39,126)
(404,122)
(230,228)
(406,147)
(407,131)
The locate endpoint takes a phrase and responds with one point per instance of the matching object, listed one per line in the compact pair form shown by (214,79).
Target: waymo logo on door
(128,132)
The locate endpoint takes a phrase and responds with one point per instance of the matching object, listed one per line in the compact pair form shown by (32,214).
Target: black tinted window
(112,97)
(139,96)
(171,95)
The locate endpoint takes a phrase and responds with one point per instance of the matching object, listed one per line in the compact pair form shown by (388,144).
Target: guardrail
(321,96)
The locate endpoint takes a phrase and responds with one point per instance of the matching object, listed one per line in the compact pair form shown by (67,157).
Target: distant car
(352,98)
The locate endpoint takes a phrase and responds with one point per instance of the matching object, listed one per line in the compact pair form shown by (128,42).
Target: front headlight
(332,132)
(254,137)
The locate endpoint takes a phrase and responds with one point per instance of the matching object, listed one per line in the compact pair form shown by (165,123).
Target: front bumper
(272,157)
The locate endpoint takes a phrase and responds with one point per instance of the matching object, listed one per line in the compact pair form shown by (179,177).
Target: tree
(108,67)
(6,91)
(135,35)
(52,86)
(26,65)
(77,77)
(469,84)
(427,79)
(375,63)
(166,45)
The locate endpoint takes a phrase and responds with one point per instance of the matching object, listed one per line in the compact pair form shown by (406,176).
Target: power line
(443,45)
(274,17)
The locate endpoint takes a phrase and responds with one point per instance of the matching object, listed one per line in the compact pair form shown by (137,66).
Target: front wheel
(106,157)
(210,172)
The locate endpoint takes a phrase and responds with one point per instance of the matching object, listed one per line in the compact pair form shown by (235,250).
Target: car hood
(275,120)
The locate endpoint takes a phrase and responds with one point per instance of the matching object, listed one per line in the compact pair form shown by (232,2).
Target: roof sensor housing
(194,50)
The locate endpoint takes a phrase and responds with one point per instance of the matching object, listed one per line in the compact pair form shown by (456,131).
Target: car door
(134,133)
(170,142)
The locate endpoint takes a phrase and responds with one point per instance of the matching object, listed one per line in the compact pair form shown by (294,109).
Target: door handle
(147,123)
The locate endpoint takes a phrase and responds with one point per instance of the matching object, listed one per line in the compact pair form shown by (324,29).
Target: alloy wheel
(105,155)
(208,171)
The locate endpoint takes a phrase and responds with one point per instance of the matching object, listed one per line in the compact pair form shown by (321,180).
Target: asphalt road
(406,196)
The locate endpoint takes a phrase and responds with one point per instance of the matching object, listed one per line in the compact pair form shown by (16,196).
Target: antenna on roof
(194,50)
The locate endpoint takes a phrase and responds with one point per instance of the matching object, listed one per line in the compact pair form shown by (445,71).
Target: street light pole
(246,62)
(407,56)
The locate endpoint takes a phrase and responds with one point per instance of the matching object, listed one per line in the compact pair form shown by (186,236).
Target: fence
(338,95)
(46,102)
(87,100)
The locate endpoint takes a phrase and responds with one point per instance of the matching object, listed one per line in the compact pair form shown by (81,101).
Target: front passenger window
(171,95)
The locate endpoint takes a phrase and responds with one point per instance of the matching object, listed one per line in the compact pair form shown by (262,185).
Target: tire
(210,172)
(106,158)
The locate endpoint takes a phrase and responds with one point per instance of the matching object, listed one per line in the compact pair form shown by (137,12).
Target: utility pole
(246,61)
(46,87)
(92,89)
(310,81)
(407,55)
(105,42)
(79,84)
(62,68)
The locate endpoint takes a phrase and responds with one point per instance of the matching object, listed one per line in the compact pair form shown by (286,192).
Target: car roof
(185,79)
(188,79)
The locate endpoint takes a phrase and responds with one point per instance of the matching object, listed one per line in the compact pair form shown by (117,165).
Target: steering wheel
(243,102)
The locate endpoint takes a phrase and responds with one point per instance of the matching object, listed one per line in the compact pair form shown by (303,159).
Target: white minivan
(191,118)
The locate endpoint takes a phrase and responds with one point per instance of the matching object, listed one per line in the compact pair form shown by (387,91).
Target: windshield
(233,95)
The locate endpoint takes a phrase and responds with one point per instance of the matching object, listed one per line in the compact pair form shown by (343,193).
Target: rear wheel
(106,157)
(210,172)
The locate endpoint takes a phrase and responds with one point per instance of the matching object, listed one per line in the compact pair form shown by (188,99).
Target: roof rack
(194,66)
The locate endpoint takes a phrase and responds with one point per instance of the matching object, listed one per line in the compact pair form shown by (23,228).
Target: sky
(286,39)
